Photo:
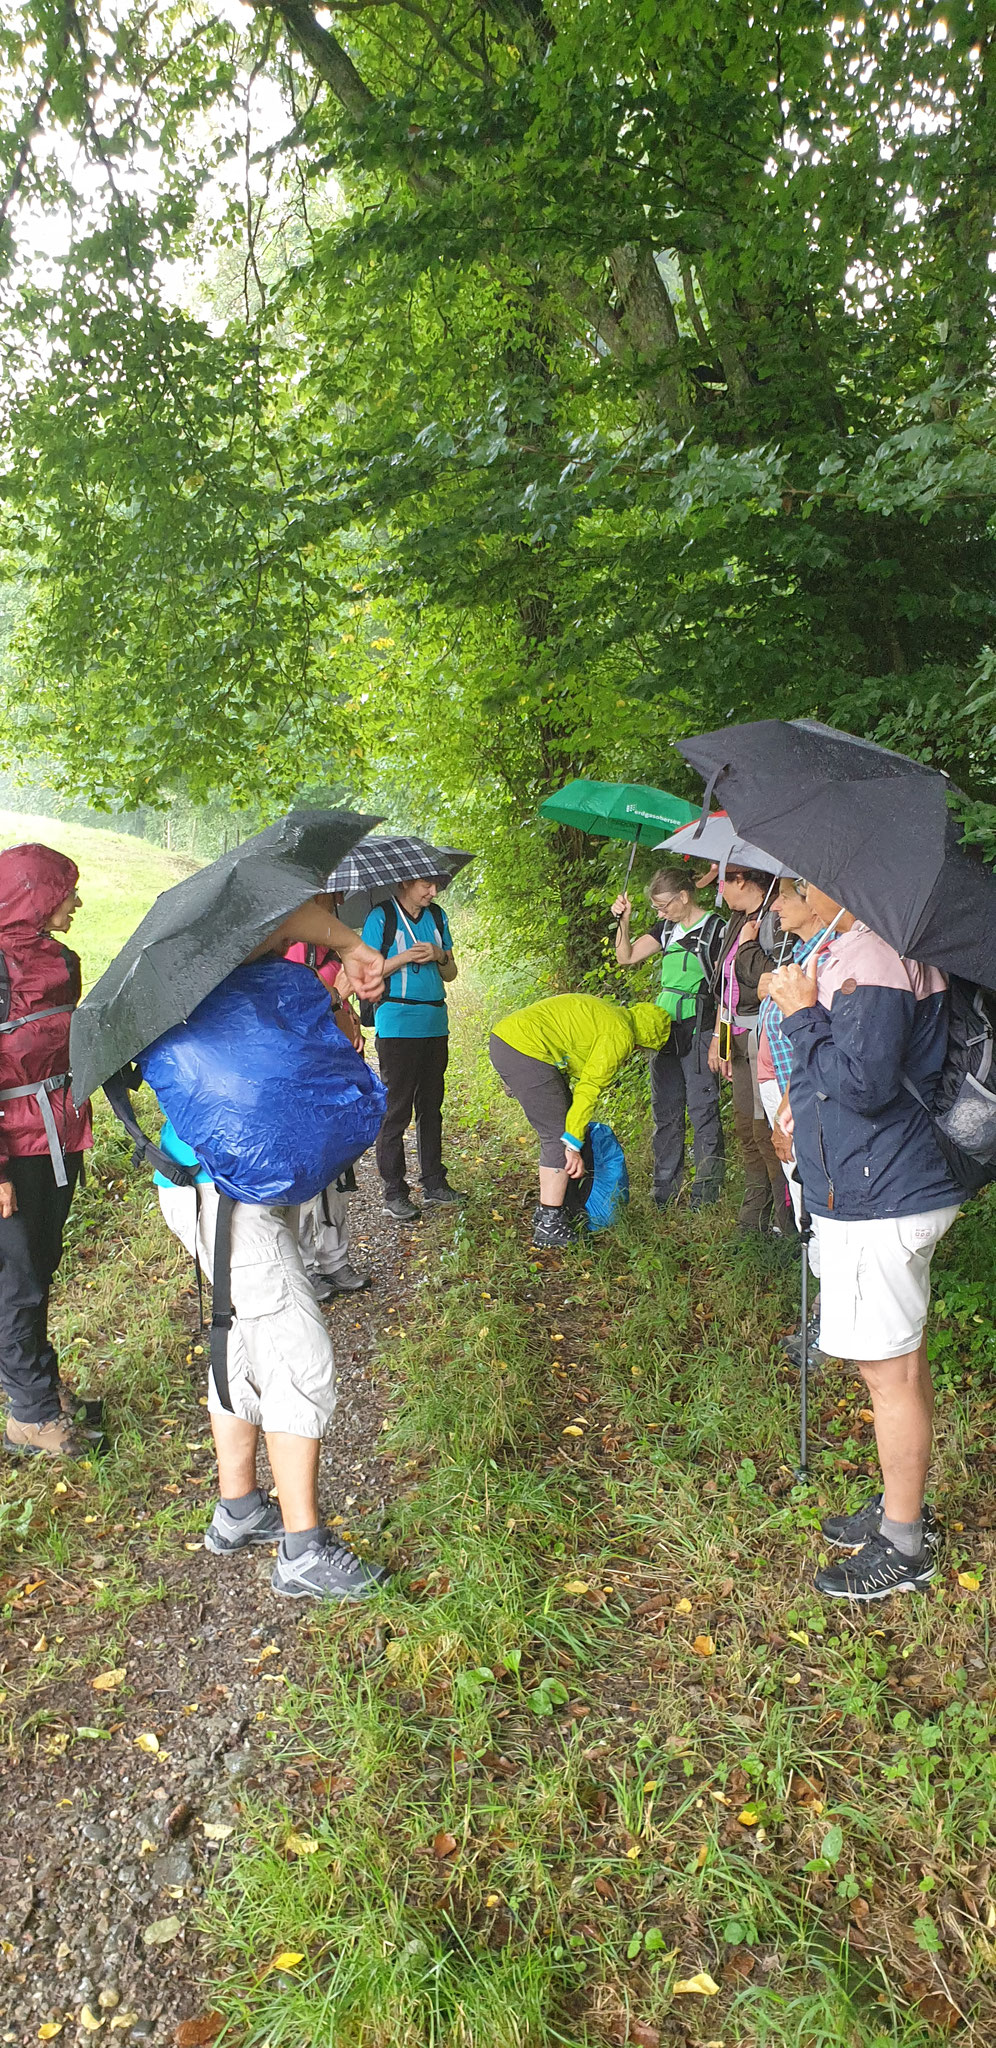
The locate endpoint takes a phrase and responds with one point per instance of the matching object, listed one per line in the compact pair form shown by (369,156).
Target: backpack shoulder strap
(435,910)
(4,990)
(390,910)
(117,1090)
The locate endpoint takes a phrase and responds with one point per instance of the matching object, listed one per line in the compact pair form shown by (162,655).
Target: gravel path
(108,1843)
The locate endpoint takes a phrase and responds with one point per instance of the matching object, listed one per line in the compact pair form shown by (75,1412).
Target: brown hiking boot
(44,1439)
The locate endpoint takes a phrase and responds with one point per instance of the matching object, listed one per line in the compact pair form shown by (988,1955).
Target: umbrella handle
(629,864)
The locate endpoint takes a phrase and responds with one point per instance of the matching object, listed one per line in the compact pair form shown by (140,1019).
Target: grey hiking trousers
(681,1082)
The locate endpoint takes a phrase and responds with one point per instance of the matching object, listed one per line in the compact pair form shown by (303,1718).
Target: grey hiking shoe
(327,1570)
(443,1195)
(226,1532)
(402,1208)
(345,1280)
(849,1532)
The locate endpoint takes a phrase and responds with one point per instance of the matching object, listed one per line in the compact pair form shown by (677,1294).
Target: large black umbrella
(198,932)
(871,828)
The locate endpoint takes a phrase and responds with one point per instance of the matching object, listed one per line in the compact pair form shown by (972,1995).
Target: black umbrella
(871,828)
(200,931)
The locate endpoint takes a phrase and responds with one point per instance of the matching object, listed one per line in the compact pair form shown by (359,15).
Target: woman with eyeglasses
(733,1049)
(689,940)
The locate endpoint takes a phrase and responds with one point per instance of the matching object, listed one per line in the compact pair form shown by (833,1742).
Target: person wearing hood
(554,1058)
(43,1136)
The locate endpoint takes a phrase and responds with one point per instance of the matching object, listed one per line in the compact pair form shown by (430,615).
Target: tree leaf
(201,2032)
(704,1646)
(444,1844)
(702,1985)
(106,1681)
(301,1845)
(162,1931)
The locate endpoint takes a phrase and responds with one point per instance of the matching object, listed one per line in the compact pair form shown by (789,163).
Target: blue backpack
(609,1190)
(264,1088)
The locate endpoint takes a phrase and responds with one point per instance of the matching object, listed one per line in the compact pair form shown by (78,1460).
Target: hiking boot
(345,1280)
(552,1230)
(849,1532)
(55,1439)
(875,1571)
(226,1532)
(443,1194)
(402,1208)
(327,1570)
(86,1416)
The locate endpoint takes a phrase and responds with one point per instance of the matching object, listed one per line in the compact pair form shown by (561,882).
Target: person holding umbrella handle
(868,1032)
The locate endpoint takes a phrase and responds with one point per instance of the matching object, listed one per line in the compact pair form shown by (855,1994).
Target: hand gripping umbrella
(871,828)
(198,932)
(378,865)
(618,810)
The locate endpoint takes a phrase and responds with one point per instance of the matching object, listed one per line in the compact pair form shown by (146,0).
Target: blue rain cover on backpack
(610,1182)
(263,1086)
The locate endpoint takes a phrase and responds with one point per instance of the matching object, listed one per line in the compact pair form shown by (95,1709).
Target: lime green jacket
(589,1038)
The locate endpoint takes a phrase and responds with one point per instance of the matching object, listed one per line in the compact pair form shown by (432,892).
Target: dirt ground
(108,1842)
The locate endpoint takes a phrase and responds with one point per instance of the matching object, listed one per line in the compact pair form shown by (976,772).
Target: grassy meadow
(598,1766)
(120,877)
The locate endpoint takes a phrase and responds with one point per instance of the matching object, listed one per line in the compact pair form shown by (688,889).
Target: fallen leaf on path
(106,1681)
(749,1817)
(572,1430)
(162,1931)
(798,1635)
(704,1646)
(644,2035)
(444,1844)
(50,2028)
(199,2033)
(218,1830)
(287,1959)
(148,1742)
(702,1984)
(90,2021)
(575,1585)
(739,1964)
(683,1607)
(969,1581)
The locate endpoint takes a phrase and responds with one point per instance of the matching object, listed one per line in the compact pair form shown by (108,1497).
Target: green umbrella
(618,810)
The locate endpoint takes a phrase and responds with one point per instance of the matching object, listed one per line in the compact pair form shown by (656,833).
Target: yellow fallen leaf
(702,1858)
(217,1830)
(59,1487)
(493,1899)
(193,1546)
(633,1852)
(704,1646)
(300,1845)
(556,1336)
(575,1585)
(106,1681)
(288,1959)
(271,1650)
(749,1817)
(50,2028)
(683,1607)
(572,1430)
(148,1848)
(90,2021)
(702,1984)
(969,1581)
(148,1742)
(798,1635)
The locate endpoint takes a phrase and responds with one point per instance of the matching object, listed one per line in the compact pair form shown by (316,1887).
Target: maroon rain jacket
(43,974)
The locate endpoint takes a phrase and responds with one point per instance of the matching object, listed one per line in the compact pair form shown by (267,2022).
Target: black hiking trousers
(30,1250)
(413,1071)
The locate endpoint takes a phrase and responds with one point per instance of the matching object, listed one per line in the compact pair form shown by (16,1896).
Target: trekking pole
(805,1233)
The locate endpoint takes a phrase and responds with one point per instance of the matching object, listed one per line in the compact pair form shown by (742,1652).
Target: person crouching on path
(413,1040)
(690,941)
(554,1058)
(43,1136)
(323,1231)
(732,1049)
(862,1022)
(281,1369)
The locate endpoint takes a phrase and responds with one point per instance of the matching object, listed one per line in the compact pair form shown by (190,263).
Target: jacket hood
(650,1025)
(34,880)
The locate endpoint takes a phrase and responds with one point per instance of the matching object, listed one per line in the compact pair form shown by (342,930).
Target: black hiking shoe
(327,1570)
(402,1208)
(849,1532)
(877,1570)
(443,1195)
(552,1230)
(345,1280)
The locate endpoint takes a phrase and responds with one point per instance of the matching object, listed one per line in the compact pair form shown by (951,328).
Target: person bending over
(862,1022)
(554,1058)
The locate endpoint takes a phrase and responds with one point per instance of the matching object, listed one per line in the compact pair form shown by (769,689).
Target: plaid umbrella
(381,863)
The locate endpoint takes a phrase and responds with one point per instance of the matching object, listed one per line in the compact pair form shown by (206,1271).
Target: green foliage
(530,389)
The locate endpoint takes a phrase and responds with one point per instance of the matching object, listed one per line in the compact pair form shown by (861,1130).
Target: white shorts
(875,1283)
(323,1233)
(281,1372)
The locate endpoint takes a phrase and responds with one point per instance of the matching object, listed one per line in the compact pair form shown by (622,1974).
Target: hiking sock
(906,1537)
(296,1541)
(245,1505)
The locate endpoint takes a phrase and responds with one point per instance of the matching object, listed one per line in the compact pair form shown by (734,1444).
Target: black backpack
(963,1112)
(368,1011)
